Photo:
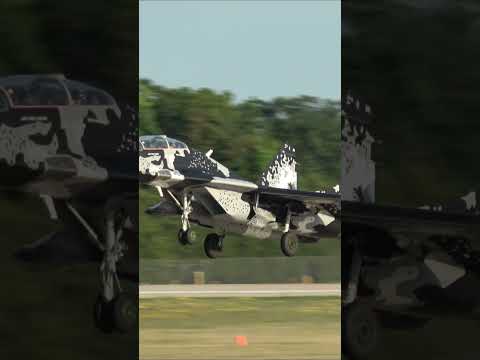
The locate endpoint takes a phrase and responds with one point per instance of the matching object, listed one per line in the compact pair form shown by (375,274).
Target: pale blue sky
(253,49)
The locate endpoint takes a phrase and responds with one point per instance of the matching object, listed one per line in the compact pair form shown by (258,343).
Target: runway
(239,290)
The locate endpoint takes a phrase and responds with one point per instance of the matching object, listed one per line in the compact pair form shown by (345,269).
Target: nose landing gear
(186,236)
(114,309)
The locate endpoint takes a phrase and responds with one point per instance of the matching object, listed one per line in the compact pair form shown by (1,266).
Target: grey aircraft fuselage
(224,201)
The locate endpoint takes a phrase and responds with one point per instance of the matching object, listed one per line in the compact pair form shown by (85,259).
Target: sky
(256,49)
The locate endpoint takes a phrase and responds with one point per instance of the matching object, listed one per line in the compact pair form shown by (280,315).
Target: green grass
(254,270)
(276,328)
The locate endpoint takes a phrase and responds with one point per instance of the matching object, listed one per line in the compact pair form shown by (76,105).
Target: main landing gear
(289,244)
(360,330)
(213,245)
(288,241)
(360,323)
(114,309)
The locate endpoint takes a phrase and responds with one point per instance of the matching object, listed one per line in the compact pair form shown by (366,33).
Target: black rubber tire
(212,245)
(289,244)
(103,315)
(186,237)
(125,313)
(360,330)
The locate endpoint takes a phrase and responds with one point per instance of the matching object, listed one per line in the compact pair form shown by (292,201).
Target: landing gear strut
(213,245)
(360,323)
(186,236)
(114,309)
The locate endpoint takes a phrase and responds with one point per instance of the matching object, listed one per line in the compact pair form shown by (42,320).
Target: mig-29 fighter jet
(401,267)
(72,145)
(202,191)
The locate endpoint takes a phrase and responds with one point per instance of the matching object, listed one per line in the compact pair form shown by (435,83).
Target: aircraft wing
(314,214)
(282,197)
(398,219)
(173,179)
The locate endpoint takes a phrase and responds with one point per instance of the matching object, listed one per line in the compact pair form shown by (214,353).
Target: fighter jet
(72,145)
(400,266)
(195,186)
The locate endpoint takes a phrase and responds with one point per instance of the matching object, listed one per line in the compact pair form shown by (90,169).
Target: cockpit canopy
(52,90)
(160,142)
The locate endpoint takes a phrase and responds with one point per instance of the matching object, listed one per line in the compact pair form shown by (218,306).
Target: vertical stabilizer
(281,172)
(358,168)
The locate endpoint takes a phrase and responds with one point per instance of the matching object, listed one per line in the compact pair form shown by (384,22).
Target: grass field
(276,328)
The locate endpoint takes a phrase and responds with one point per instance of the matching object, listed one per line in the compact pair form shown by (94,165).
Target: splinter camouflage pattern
(281,173)
(227,203)
(358,169)
(61,138)
(76,148)
(409,258)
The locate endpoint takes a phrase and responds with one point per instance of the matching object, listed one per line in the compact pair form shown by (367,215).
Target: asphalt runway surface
(239,290)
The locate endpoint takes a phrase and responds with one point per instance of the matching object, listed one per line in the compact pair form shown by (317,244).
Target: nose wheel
(119,314)
(114,309)
(103,315)
(186,237)
(125,313)
(213,245)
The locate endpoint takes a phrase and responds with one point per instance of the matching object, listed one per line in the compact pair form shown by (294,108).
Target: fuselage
(61,138)
(171,165)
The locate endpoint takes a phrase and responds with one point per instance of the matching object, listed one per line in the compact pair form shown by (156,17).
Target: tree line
(246,135)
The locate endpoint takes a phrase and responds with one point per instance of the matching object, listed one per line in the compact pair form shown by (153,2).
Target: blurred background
(241,78)
(47,309)
(416,64)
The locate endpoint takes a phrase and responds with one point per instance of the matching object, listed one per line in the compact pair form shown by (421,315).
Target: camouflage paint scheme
(400,266)
(227,203)
(76,148)
(409,258)
(64,150)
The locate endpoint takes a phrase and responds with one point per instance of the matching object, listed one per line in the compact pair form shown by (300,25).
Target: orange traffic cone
(241,340)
